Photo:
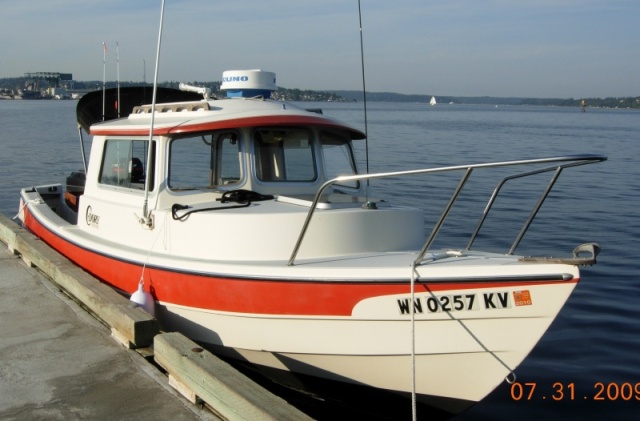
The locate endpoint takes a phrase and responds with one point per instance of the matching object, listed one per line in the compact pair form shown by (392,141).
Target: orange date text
(568,391)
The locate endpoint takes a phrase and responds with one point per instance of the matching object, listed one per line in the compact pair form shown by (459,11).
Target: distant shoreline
(9,88)
(611,102)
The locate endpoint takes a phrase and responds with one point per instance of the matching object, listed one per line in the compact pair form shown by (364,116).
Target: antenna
(104,75)
(364,93)
(118,75)
(146,217)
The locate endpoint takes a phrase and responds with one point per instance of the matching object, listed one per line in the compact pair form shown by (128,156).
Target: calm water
(595,339)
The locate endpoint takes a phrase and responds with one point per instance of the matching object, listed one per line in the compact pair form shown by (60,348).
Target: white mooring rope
(414,412)
(414,275)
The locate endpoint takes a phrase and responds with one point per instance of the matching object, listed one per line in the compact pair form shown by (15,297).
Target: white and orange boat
(246,220)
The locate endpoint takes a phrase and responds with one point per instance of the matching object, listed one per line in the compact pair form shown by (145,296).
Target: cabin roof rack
(173,108)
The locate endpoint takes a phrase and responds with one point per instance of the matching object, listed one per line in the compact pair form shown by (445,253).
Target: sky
(505,48)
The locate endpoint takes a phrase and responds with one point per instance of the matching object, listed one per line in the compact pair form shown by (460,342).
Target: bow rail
(559,164)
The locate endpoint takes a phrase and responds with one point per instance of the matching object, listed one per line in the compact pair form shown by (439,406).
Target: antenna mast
(118,75)
(364,93)
(146,215)
(104,75)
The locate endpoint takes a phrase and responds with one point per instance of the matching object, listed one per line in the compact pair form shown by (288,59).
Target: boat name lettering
(235,78)
(459,302)
(93,220)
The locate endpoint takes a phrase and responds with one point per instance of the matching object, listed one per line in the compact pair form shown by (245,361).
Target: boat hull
(378,353)
(467,334)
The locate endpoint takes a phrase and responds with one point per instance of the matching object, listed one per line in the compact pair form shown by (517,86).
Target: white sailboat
(433,101)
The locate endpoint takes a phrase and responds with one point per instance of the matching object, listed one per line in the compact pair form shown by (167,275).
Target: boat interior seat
(137,170)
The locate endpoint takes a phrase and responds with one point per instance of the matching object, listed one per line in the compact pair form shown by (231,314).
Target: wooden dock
(198,375)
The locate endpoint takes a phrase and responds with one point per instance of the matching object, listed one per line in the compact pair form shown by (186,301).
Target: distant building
(58,93)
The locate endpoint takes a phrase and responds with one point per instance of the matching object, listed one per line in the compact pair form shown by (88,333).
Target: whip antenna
(146,215)
(118,76)
(364,93)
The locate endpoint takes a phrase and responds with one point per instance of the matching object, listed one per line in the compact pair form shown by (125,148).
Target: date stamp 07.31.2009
(568,391)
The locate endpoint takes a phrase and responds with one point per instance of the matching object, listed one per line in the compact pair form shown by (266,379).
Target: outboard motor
(74,189)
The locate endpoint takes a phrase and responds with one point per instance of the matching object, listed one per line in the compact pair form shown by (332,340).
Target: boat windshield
(205,162)
(284,154)
(338,158)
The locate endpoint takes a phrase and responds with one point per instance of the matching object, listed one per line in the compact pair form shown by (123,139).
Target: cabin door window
(122,163)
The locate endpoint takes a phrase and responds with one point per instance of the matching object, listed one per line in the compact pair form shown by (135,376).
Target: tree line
(287,94)
(611,102)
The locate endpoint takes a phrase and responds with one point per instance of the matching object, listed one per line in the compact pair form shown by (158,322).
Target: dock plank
(131,322)
(233,395)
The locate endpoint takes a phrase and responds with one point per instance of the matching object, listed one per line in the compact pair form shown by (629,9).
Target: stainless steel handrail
(569,160)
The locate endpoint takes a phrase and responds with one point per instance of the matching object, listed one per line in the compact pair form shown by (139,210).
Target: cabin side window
(338,158)
(205,162)
(123,163)
(284,154)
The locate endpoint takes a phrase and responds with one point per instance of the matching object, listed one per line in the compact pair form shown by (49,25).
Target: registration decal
(522,298)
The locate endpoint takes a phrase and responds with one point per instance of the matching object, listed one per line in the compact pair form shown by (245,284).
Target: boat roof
(207,115)
(112,103)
